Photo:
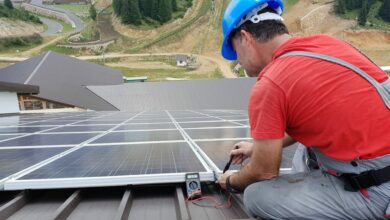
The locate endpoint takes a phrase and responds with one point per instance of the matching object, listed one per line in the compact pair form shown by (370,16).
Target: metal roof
(18,88)
(178,95)
(63,79)
(147,202)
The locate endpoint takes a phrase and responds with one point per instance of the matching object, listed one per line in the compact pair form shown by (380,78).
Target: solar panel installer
(318,91)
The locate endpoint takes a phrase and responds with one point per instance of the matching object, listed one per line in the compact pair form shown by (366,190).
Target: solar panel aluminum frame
(15,184)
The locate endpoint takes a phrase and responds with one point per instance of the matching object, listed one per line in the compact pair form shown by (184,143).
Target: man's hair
(262,31)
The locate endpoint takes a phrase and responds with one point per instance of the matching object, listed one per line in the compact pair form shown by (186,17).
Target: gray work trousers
(318,195)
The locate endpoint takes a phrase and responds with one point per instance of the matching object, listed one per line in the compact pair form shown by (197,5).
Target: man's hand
(222,178)
(244,150)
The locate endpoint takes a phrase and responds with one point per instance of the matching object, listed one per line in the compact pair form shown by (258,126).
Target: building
(9,93)
(62,81)
(182,60)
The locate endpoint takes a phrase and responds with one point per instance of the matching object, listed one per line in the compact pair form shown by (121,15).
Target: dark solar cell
(219,151)
(49,139)
(150,120)
(3,137)
(218,133)
(197,119)
(146,126)
(83,128)
(235,117)
(22,129)
(208,124)
(95,161)
(97,123)
(10,121)
(139,136)
(15,160)
(50,123)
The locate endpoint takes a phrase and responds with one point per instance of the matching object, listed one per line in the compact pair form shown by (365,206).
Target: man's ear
(246,37)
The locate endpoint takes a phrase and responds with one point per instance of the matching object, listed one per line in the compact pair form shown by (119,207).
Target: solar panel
(116,165)
(146,126)
(48,139)
(208,124)
(7,130)
(15,160)
(95,161)
(3,137)
(140,136)
(116,148)
(82,128)
(218,133)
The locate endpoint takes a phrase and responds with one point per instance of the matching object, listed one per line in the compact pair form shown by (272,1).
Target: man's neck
(271,46)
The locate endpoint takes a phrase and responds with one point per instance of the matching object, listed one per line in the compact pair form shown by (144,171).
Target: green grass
(19,44)
(63,50)
(65,26)
(373,19)
(18,14)
(162,74)
(90,33)
(288,4)
(75,8)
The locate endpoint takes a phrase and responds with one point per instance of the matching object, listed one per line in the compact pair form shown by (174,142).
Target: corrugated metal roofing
(133,203)
(178,95)
(63,79)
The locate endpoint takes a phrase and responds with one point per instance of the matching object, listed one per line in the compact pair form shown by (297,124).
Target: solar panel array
(116,148)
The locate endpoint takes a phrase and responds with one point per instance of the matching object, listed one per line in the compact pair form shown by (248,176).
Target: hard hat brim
(227,50)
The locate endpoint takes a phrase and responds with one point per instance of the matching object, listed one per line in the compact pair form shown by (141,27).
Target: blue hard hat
(234,13)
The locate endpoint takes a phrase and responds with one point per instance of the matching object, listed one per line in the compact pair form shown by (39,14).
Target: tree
(92,12)
(353,4)
(384,11)
(135,14)
(130,12)
(125,11)
(8,4)
(363,13)
(154,9)
(340,7)
(117,5)
(165,10)
(174,5)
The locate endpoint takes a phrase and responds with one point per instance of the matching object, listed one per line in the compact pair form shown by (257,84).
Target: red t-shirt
(321,104)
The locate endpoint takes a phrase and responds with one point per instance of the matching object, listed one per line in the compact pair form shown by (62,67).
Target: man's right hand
(242,151)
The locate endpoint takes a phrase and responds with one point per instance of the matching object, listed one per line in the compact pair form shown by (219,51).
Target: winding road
(53,27)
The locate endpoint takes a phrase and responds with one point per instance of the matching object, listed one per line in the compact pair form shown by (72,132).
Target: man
(333,99)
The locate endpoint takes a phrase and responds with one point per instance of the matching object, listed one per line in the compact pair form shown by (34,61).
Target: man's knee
(259,199)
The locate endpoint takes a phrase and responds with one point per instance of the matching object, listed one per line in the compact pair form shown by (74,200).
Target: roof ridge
(37,67)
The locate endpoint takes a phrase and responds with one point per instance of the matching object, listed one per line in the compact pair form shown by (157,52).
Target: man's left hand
(222,178)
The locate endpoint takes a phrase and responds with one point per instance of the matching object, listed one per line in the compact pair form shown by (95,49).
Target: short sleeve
(267,110)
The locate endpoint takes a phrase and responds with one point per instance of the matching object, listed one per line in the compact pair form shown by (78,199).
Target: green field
(162,74)
(75,8)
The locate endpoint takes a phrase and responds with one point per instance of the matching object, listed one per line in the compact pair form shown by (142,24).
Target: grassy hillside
(18,14)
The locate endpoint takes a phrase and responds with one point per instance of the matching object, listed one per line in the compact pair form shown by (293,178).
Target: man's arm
(264,164)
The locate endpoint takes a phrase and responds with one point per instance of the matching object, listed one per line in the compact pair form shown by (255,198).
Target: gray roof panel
(18,73)
(178,95)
